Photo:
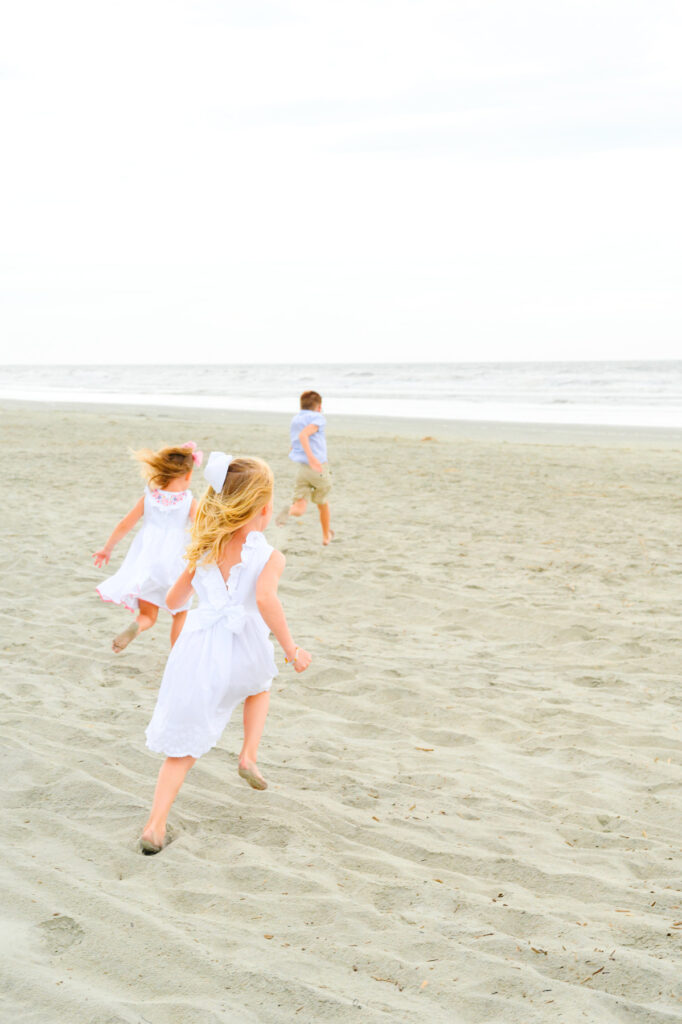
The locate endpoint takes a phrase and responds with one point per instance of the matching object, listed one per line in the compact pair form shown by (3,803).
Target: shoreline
(501,431)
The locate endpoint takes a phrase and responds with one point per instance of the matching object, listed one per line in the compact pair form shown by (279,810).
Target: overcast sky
(310,180)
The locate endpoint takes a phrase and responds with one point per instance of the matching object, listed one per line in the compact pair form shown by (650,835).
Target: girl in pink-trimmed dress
(154,560)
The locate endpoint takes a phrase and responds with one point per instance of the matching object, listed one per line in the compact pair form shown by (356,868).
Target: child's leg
(147,615)
(325,519)
(146,618)
(302,491)
(176,626)
(255,713)
(171,777)
(298,507)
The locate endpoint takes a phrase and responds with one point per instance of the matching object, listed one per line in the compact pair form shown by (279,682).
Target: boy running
(309,450)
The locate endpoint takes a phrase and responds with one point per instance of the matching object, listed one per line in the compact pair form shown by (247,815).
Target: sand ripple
(474,803)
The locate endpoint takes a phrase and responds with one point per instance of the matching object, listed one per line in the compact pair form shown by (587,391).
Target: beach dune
(474,806)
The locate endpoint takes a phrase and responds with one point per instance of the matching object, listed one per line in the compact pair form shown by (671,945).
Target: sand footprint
(60,933)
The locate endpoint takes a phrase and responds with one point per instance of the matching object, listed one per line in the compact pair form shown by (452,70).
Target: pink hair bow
(197,454)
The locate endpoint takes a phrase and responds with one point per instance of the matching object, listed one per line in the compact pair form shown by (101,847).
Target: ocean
(645,393)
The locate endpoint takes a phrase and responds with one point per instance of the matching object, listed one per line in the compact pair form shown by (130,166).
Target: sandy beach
(474,808)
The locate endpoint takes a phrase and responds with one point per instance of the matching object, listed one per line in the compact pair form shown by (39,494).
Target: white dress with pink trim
(223,655)
(154,560)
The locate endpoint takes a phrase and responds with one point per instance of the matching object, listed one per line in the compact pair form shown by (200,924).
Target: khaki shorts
(312,486)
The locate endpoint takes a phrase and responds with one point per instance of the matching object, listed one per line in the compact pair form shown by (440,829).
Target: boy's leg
(255,713)
(302,491)
(297,508)
(171,777)
(325,519)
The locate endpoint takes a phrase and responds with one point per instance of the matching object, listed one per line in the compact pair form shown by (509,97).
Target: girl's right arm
(270,607)
(181,590)
(125,526)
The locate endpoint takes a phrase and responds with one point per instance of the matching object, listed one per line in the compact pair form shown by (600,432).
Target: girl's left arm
(270,607)
(181,590)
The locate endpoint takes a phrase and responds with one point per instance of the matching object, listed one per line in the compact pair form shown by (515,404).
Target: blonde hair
(247,489)
(159,468)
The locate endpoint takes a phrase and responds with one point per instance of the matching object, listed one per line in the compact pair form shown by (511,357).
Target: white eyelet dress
(223,655)
(154,560)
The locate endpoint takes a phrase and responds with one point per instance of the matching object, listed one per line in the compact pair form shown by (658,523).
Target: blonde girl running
(224,655)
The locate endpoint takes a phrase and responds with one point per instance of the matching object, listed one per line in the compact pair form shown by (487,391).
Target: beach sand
(474,806)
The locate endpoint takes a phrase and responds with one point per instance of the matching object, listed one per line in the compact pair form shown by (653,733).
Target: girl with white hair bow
(224,655)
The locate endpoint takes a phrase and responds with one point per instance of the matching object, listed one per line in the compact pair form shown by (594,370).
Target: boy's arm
(270,607)
(125,526)
(305,445)
(181,590)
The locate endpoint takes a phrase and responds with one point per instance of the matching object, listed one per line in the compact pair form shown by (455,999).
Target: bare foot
(123,639)
(282,517)
(248,770)
(151,843)
(328,537)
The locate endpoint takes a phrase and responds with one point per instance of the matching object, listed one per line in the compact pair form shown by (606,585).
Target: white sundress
(223,655)
(154,560)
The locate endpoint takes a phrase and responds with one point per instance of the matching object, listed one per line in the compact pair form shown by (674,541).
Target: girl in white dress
(154,560)
(224,655)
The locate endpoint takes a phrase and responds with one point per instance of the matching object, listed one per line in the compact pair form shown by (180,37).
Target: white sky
(309,180)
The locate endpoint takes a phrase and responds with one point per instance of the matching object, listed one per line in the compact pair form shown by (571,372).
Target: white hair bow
(216,469)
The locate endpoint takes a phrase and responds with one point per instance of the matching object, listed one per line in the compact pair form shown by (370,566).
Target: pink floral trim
(110,600)
(168,499)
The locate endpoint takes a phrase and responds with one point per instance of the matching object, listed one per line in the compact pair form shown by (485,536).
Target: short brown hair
(309,399)
(159,468)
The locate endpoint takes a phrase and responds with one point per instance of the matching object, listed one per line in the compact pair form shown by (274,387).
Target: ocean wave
(452,390)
